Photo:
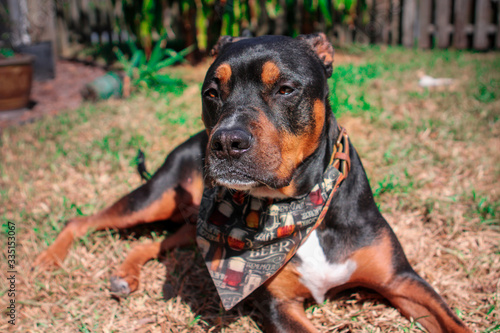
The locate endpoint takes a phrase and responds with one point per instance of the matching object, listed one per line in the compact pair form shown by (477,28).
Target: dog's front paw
(49,259)
(119,286)
(123,283)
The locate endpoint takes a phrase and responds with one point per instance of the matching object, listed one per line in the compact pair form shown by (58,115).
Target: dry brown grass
(432,158)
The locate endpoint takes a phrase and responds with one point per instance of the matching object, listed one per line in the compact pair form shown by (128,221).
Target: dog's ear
(323,49)
(222,43)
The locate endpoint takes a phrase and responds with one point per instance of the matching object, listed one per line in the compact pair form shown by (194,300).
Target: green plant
(201,22)
(346,81)
(6,53)
(485,209)
(143,18)
(140,72)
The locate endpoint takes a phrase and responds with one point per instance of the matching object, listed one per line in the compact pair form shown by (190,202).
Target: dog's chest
(317,273)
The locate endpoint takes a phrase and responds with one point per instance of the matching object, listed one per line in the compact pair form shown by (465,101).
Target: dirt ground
(53,96)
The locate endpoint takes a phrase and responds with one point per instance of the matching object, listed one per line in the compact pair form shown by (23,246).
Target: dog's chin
(257,184)
(238,185)
(254,189)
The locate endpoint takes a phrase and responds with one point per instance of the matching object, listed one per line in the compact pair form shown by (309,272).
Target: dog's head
(264,109)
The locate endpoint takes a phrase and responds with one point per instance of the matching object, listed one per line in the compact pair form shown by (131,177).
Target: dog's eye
(212,93)
(285,90)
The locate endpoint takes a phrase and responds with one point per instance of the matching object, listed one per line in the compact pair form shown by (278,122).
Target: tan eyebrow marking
(270,73)
(223,73)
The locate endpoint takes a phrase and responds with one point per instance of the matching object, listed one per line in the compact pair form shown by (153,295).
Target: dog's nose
(230,143)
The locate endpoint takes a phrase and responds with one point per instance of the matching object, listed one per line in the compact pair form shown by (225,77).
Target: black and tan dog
(270,133)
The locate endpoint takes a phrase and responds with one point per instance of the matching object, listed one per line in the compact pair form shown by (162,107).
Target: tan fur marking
(282,160)
(269,157)
(294,149)
(223,73)
(194,185)
(270,73)
(374,263)
(289,191)
(319,117)
(154,212)
(130,269)
(416,302)
(269,154)
(285,285)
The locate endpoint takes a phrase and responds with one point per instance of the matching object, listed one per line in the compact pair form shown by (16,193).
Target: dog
(270,137)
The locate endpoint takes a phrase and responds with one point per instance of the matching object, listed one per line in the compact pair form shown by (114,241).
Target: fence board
(61,31)
(483,8)
(85,19)
(395,18)
(461,21)
(75,11)
(424,16)
(443,18)
(497,44)
(383,18)
(409,19)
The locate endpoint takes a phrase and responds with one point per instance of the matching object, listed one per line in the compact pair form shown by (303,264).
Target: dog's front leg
(282,303)
(126,278)
(382,266)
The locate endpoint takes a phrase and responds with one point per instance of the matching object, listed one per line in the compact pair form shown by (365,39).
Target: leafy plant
(143,73)
(6,53)
(201,21)
(345,83)
(143,18)
(486,211)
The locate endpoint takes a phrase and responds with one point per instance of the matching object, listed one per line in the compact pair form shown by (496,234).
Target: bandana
(246,240)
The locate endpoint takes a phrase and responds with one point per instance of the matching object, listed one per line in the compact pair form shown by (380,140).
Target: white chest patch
(317,274)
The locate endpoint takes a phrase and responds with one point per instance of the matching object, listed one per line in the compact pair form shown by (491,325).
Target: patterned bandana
(246,240)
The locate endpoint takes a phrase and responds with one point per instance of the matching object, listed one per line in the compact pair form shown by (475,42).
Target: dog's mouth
(239,179)
(238,185)
(235,180)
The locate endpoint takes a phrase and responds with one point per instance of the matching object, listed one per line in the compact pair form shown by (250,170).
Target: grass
(431,156)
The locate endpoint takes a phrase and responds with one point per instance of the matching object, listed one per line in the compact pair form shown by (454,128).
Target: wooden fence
(461,24)
(87,22)
(451,23)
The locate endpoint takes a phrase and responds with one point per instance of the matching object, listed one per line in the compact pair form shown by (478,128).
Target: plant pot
(104,87)
(16,75)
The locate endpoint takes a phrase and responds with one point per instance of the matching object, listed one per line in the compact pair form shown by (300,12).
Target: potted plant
(16,71)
